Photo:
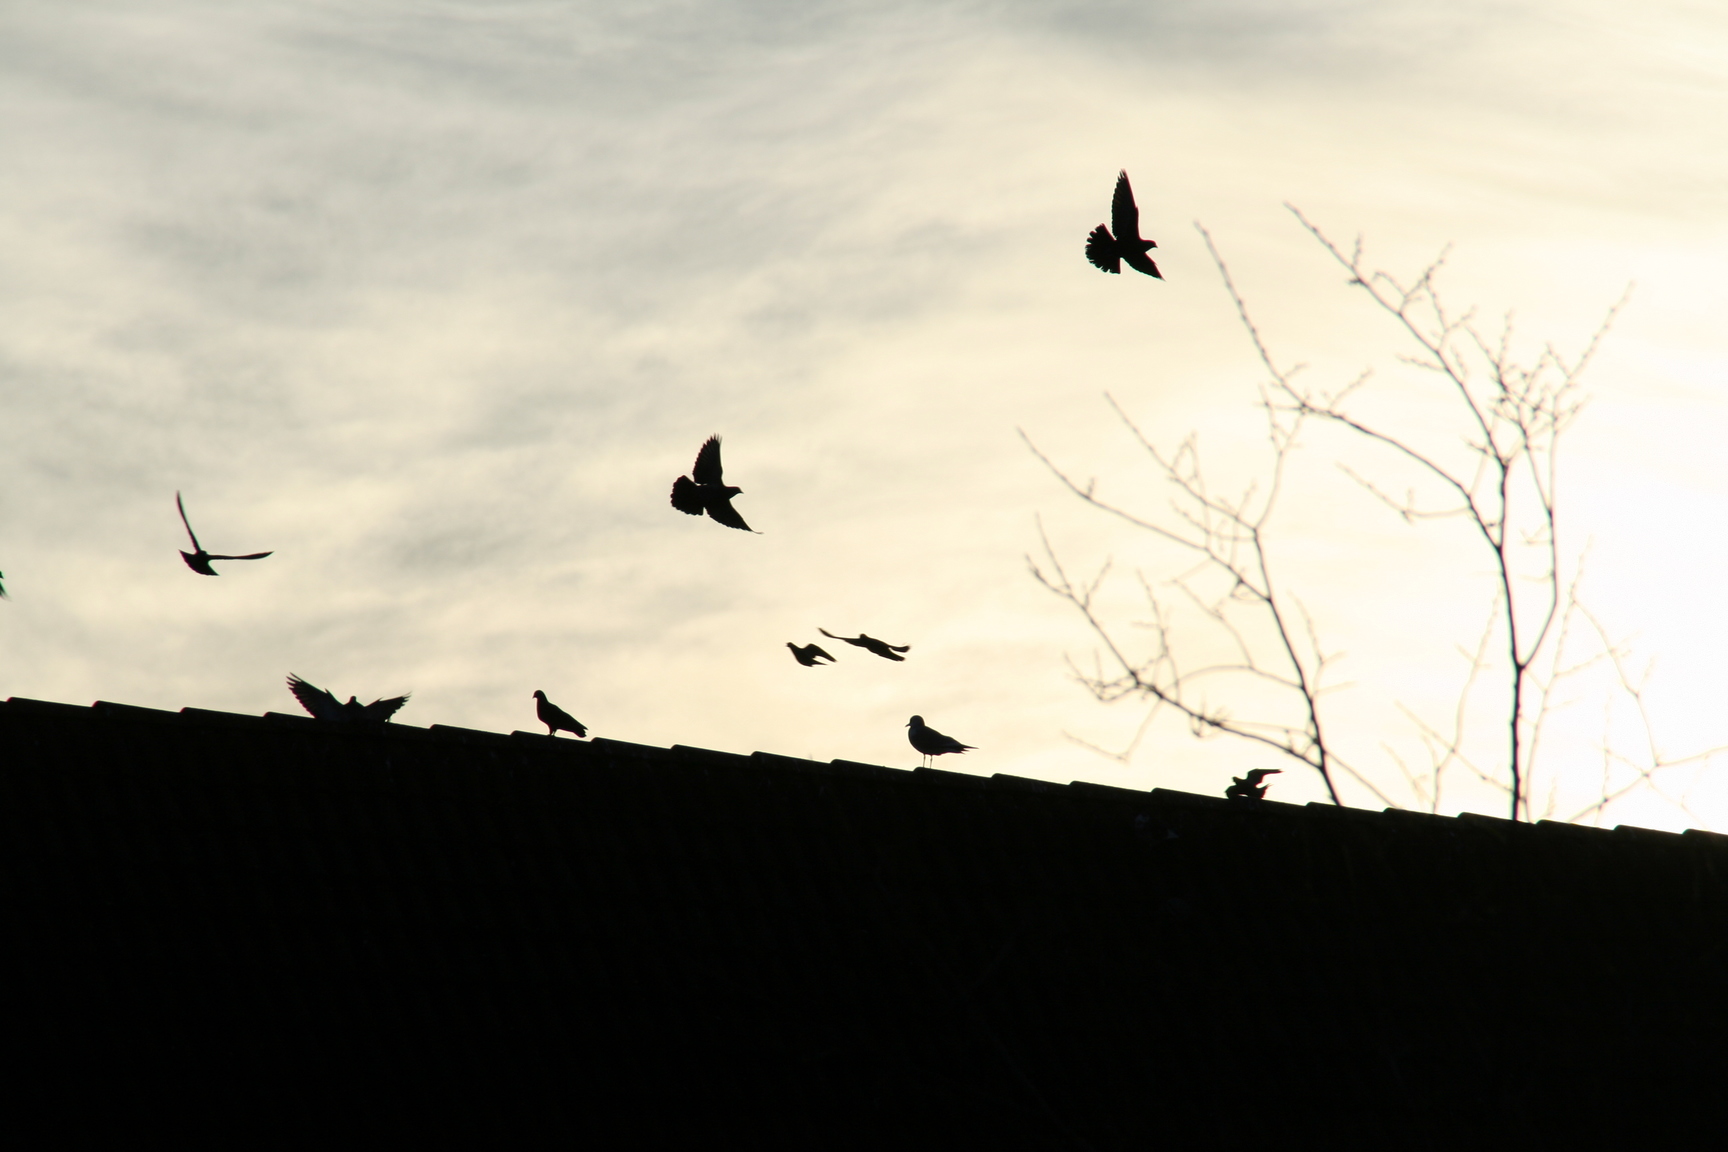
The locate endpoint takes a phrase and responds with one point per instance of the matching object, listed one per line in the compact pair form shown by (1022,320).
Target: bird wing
(831,636)
(3,595)
(815,651)
(707,468)
(900,647)
(180,504)
(1140,263)
(1124,213)
(315,700)
(1101,250)
(686,497)
(723,511)
(551,714)
(250,556)
(384,709)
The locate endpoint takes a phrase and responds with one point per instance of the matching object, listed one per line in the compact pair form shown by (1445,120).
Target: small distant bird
(881,647)
(931,742)
(1250,788)
(199,560)
(555,717)
(809,654)
(707,492)
(1107,252)
(3,595)
(324,706)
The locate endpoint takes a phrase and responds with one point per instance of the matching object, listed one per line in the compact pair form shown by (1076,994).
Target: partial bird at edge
(932,743)
(555,718)
(324,706)
(1106,252)
(870,644)
(809,654)
(199,560)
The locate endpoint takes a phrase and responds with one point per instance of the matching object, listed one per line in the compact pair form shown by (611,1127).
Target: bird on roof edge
(931,742)
(1108,253)
(809,654)
(704,490)
(869,643)
(325,706)
(1249,787)
(556,718)
(199,560)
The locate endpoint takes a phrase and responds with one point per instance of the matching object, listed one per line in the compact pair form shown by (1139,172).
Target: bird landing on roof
(931,742)
(1250,788)
(324,706)
(555,718)
(199,560)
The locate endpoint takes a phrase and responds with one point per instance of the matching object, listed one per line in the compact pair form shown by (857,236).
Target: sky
(435,300)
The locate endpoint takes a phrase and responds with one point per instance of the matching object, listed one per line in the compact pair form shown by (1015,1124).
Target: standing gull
(324,706)
(809,654)
(931,742)
(199,560)
(881,647)
(704,490)
(1108,252)
(554,717)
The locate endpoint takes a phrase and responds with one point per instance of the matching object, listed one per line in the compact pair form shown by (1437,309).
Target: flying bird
(1107,252)
(1249,787)
(809,654)
(324,706)
(704,491)
(931,742)
(881,647)
(199,560)
(3,595)
(555,717)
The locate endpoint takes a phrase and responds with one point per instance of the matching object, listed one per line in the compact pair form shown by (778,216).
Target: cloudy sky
(436,299)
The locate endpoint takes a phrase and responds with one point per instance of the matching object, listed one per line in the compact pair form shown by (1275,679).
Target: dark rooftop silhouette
(266,930)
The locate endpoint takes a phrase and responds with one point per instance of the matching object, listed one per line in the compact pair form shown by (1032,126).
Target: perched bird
(324,706)
(704,491)
(1107,252)
(809,654)
(555,717)
(881,647)
(931,742)
(199,560)
(1250,788)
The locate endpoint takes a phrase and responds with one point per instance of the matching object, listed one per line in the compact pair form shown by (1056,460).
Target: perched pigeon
(1250,788)
(931,742)
(324,706)
(707,492)
(555,717)
(881,647)
(199,560)
(1107,252)
(809,654)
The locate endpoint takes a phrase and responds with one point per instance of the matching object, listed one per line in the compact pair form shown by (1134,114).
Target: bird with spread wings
(704,490)
(325,706)
(1108,253)
(199,560)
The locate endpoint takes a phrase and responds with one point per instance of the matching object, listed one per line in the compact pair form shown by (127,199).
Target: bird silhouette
(704,491)
(931,742)
(199,560)
(809,654)
(1249,787)
(881,647)
(555,717)
(324,706)
(1108,252)
(3,595)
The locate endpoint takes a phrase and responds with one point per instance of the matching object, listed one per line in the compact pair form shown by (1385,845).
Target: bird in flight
(1107,252)
(881,647)
(1249,787)
(199,560)
(555,717)
(3,595)
(931,742)
(704,491)
(809,654)
(324,706)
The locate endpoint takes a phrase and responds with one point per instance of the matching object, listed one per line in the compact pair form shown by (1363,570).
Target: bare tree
(1501,481)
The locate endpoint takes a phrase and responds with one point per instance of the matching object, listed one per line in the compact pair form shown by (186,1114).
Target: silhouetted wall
(273,928)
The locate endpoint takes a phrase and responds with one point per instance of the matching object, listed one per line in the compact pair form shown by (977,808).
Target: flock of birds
(705,492)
